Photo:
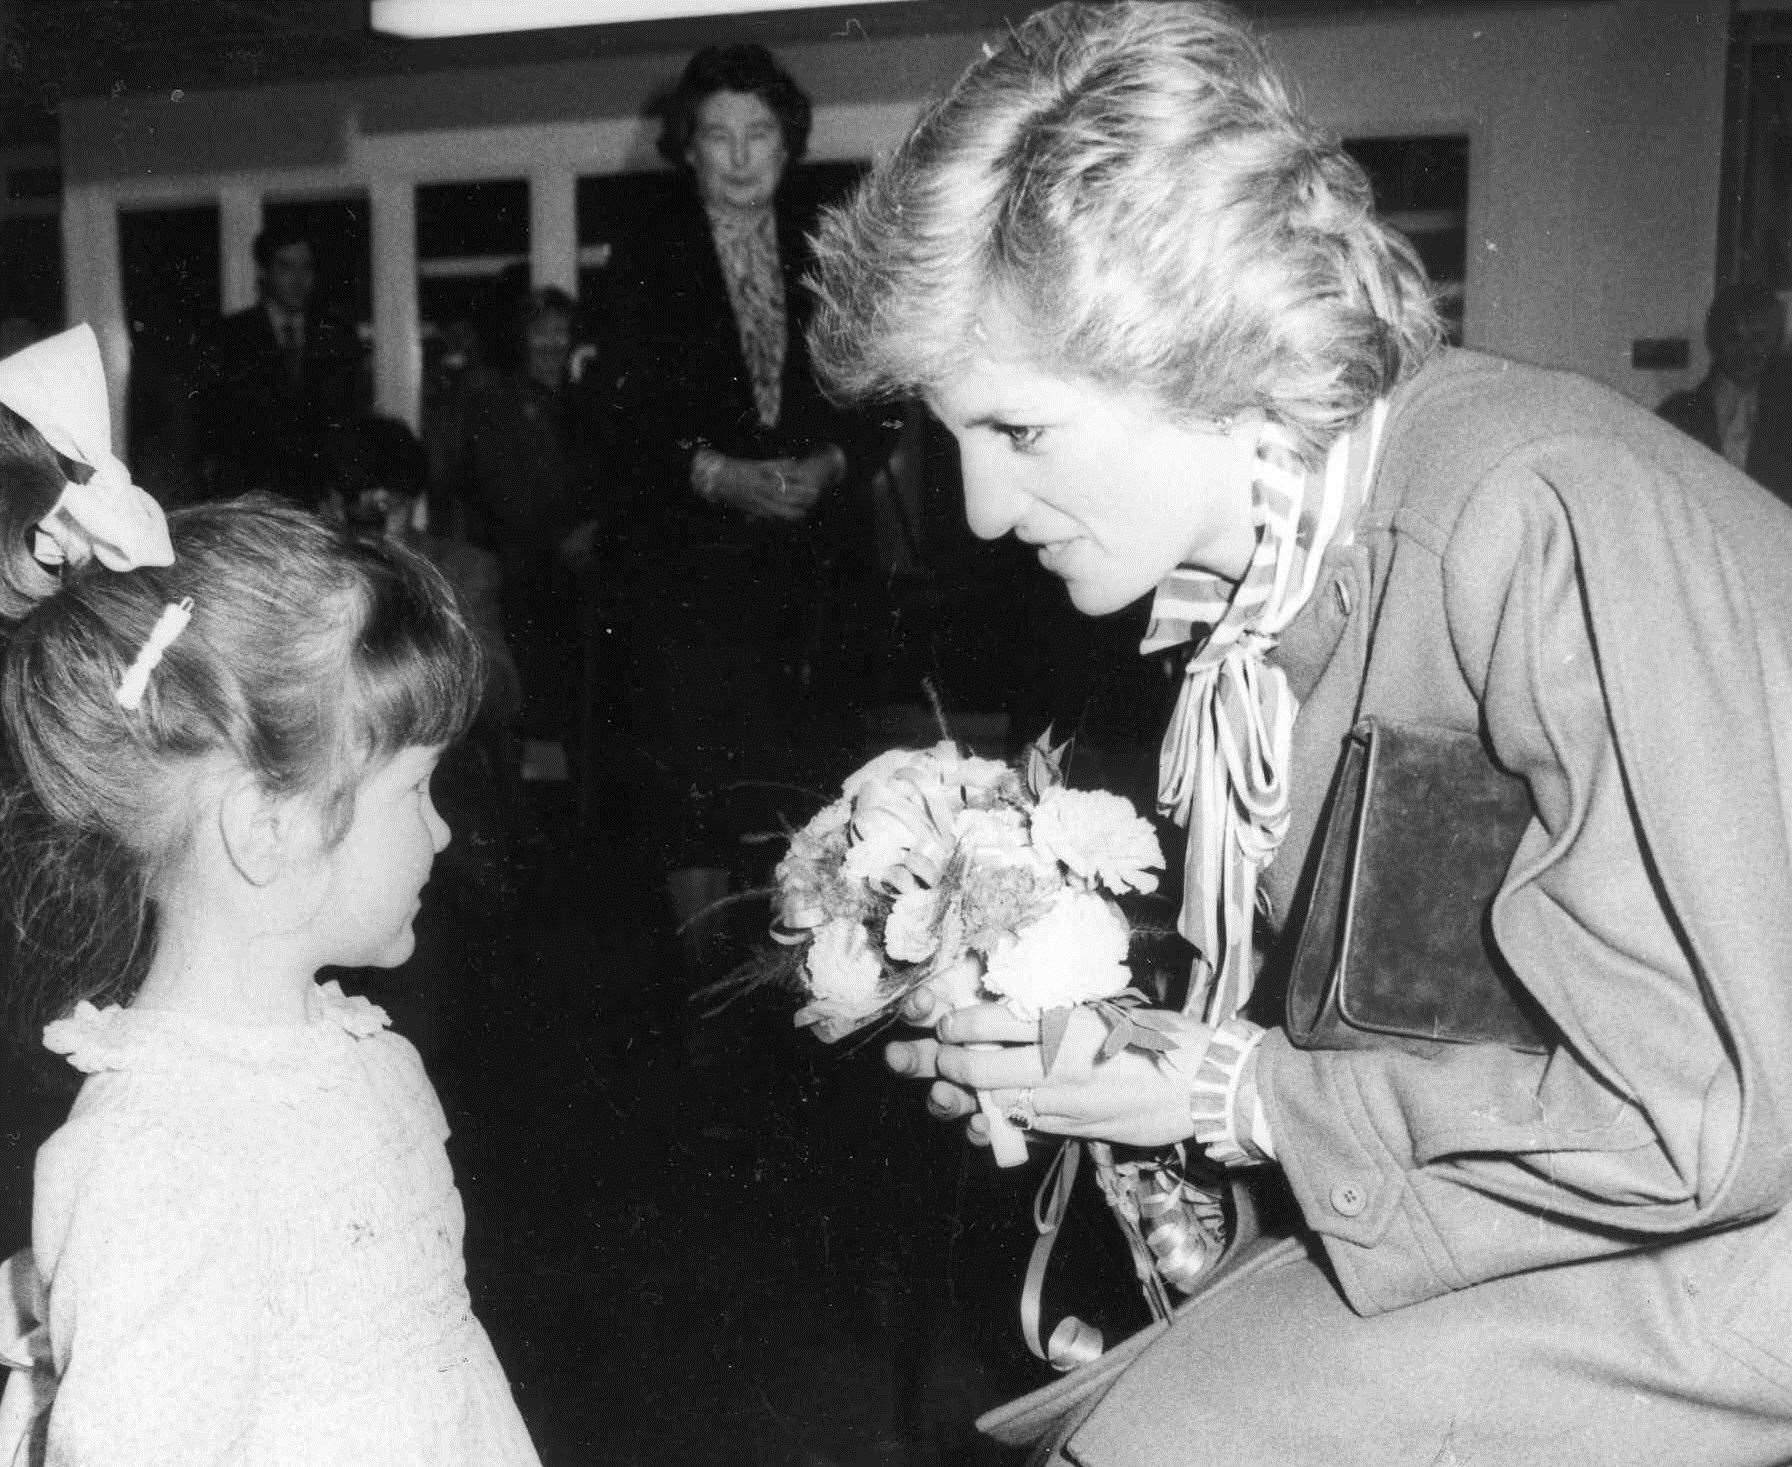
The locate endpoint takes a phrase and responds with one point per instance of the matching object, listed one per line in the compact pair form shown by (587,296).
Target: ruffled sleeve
(92,1039)
(359,1017)
(1228,1116)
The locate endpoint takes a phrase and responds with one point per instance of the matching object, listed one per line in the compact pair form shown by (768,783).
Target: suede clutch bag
(1397,944)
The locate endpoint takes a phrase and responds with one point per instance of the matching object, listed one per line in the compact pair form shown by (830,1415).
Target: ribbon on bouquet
(1073,1342)
(1171,1240)
(1183,1224)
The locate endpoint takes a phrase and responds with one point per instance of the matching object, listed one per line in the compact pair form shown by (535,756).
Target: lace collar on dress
(118,1038)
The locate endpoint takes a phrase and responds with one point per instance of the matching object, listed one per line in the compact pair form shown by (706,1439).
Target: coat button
(1349,1199)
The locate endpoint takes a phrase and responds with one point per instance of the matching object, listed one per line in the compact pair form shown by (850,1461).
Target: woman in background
(522,476)
(742,483)
(1181,354)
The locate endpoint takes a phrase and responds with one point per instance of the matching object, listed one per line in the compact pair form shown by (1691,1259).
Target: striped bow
(1224,768)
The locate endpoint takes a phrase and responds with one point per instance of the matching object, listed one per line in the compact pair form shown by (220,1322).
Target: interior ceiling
(63,48)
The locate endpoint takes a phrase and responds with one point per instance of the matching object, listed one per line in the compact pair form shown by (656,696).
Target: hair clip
(169,625)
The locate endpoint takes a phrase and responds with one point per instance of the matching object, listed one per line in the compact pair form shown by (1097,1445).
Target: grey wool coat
(1575,1257)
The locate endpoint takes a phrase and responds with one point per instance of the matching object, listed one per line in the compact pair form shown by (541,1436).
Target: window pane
(169,262)
(472,249)
(1421,189)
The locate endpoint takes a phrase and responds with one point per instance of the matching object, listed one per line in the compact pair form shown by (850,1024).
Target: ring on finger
(1021,1112)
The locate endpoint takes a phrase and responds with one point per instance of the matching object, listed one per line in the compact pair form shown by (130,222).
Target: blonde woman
(1182,357)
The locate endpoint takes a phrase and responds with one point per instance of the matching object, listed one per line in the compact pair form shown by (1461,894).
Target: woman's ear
(264,835)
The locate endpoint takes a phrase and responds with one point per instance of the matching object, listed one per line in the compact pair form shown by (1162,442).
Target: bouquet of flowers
(994,882)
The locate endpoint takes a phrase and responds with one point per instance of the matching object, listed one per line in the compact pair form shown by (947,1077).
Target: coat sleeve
(155,1302)
(1425,1172)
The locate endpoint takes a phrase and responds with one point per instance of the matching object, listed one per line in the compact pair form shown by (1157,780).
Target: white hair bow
(59,387)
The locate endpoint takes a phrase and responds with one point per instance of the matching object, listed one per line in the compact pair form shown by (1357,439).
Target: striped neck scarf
(1223,773)
(747,245)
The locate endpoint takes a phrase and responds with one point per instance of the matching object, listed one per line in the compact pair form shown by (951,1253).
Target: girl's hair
(746,67)
(310,657)
(1134,184)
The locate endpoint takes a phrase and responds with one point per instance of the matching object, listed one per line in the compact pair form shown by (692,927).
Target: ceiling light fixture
(425,19)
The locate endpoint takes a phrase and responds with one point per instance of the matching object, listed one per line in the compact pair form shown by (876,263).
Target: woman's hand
(1132,1099)
(753,486)
(774,488)
(804,480)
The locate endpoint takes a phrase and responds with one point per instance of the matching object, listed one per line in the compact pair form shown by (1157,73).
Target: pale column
(95,286)
(554,229)
(239,221)
(397,345)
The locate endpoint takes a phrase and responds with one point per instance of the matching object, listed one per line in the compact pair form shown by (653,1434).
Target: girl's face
(737,151)
(377,870)
(1113,492)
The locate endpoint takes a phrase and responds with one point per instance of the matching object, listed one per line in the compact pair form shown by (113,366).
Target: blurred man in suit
(283,374)
(1743,408)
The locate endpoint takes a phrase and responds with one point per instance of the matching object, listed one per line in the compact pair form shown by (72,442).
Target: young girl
(248,1236)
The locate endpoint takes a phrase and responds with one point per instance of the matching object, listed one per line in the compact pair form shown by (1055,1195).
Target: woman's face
(1113,493)
(737,151)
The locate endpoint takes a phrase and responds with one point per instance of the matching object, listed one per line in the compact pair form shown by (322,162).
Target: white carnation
(957,987)
(911,933)
(999,833)
(1098,837)
(829,820)
(844,971)
(1074,953)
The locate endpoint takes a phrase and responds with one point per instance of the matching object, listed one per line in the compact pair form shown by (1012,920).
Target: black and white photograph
(916,733)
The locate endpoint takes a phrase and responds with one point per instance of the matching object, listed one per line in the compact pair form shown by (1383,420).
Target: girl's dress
(251,1242)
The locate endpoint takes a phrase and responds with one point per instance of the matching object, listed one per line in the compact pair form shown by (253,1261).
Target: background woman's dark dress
(748,636)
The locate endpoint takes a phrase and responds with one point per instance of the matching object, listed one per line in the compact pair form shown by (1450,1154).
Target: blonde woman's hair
(1134,183)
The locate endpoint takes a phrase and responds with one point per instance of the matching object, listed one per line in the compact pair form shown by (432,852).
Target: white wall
(1596,140)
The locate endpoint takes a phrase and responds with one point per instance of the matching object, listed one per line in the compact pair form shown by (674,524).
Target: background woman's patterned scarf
(747,246)
(1223,773)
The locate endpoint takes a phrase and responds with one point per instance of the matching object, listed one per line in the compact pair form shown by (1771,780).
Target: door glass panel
(472,256)
(169,261)
(1421,188)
